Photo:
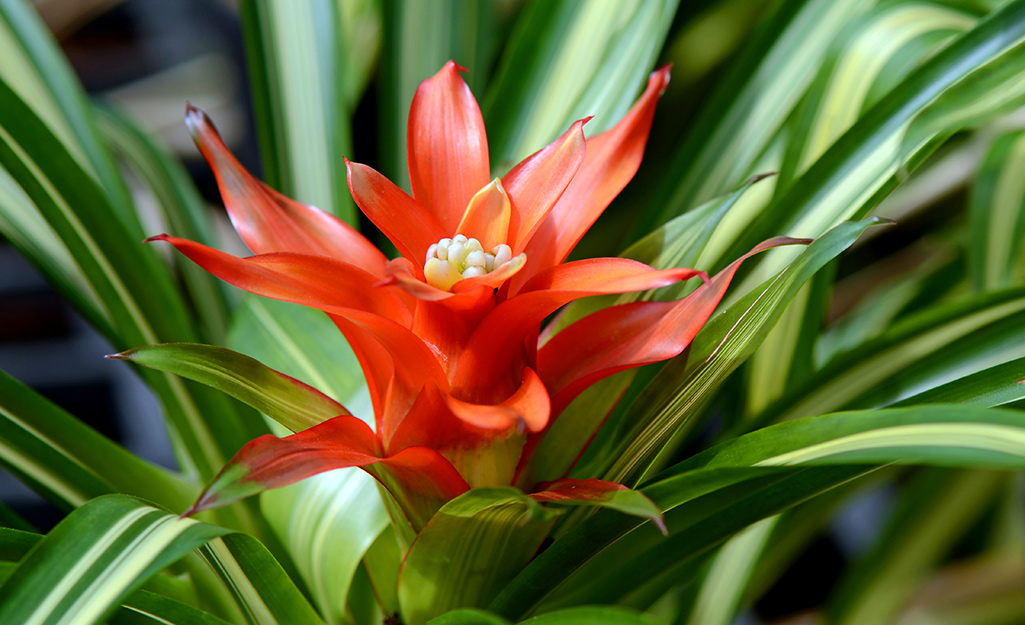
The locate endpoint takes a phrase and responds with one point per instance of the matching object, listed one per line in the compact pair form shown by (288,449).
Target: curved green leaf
(932,347)
(260,587)
(467,552)
(623,451)
(90,562)
(565,61)
(299,73)
(328,522)
(751,103)
(67,462)
(288,401)
(719,492)
(862,164)
(996,214)
(40,74)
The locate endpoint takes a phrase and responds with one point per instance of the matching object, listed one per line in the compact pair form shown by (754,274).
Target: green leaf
(995,386)
(722,589)
(68,462)
(304,344)
(719,492)
(262,589)
(863,164)
(299,77)
(933,512)
(288,401)
(995,88)
(134,287)
(148,607)
(41,75)
(751,103)
(467,552)
(328,522)
(419,38)
(996,210)
(565,61)
(934,346)
(468,617)
(90,562)
(623,451)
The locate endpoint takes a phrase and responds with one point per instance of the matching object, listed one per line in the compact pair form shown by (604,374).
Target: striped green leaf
(419,38)
(299,72)
(996,215)
(288,401)
(67,462)
(136,290)
(37,70)
(468,550)
(623,452)
(991,387)
(262,590)
(89,563)
(566,61)
(860,167)
(327,523)
(719,492)
(751,103)
(926,350)
(723,586)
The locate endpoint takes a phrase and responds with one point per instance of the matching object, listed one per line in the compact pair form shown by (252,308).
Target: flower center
(452,260)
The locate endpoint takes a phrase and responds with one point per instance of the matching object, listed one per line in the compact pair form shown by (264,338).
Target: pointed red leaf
(623,337)
(610,495)
(498,340)
(314,281)
(610,162)
(537,183)
(406,224)
(418,475)
(447,147)
(270,222)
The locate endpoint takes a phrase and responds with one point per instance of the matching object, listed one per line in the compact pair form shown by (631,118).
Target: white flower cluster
(451,260)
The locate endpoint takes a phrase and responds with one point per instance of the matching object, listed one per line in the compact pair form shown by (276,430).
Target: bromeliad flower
(447,334)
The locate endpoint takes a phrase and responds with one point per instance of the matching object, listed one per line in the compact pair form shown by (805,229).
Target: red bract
(447,334)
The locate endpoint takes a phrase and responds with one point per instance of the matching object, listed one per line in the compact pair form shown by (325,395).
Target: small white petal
(473,272)
(489,262)
(459,238)
(457,253)
(432,251)
(442,250)
(475,258)
(503,254)
(474,245)
(441,274)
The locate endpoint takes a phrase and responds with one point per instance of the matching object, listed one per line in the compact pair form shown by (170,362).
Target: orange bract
(447,335)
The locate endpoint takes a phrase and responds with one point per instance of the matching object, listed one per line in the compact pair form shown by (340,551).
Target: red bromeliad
(448,333)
